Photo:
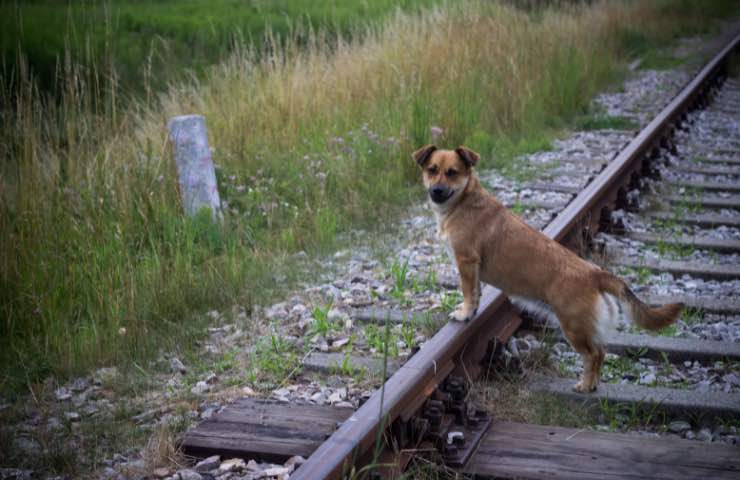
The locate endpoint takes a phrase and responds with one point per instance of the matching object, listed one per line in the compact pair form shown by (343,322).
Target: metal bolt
(455,438)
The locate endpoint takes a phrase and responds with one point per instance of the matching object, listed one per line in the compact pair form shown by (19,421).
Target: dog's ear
(468,156)
(422,155)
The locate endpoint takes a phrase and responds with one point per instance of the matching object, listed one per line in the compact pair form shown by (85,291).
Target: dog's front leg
(469,282)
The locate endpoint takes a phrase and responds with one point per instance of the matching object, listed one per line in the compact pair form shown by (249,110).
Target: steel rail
(408,388)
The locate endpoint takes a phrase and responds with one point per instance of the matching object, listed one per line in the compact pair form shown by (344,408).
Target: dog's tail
(637,311)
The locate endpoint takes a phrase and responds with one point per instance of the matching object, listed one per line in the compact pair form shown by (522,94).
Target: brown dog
(490,244)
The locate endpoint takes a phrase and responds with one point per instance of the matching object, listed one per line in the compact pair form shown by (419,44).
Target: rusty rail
(463,346)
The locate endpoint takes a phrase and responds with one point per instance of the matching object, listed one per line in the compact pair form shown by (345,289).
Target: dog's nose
(439,193)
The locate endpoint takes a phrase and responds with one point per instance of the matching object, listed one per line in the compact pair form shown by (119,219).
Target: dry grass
(97,263)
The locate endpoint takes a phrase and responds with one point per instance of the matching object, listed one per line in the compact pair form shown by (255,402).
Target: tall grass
(97,263)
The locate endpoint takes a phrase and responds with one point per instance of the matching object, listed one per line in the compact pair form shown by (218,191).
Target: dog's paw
(580,387)
(462,314)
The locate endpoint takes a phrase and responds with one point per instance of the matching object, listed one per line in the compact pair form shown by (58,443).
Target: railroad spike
(605,220)
(621,202)
(667,144)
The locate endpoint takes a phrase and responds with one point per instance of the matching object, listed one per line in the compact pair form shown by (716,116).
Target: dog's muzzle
(440,193)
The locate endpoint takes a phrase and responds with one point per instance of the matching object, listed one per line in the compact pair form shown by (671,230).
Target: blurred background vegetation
(152,43)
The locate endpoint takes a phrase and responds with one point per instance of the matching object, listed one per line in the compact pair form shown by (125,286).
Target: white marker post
(197,176)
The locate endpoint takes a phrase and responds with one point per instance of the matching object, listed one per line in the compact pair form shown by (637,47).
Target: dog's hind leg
(582,337)
(593,358)
(592,362)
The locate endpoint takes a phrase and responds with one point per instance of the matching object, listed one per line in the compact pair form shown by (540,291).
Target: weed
(322,325)
(400,275)
(450,300)
(431,282)
(620,367)
(408,332)
(692,315)
(669,331)
(380,341)
(226,363)
(673,250)
(273,360)
(641,274)
(518,208)
(621,416)
(428,323)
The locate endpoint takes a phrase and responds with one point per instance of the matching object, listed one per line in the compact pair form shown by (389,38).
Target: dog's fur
(490,244)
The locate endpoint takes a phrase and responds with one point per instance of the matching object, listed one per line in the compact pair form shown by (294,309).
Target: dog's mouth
(440,195)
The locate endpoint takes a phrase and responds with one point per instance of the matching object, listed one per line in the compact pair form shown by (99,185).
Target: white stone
(279,472)
(176,366)
(200,388)
(231,465)
(248,391)
(72,416)
(62,394)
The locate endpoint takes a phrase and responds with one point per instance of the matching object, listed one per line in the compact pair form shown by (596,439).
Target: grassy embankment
(99,266)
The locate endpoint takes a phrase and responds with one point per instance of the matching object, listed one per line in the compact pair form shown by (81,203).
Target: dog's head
(446,173)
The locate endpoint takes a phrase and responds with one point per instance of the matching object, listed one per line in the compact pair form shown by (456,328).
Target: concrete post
(196,174)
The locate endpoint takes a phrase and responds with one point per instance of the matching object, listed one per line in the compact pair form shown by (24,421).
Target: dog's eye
(451,173)
(433,170)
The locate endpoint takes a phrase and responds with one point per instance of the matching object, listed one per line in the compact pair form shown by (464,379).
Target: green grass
(311,135)
(627,416)
(641,274)
(666,248)
(169,37)
(273,362)
(692,315)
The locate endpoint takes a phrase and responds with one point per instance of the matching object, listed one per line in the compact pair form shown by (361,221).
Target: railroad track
(665,213)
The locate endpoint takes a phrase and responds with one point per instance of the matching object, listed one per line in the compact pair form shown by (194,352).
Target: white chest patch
(450,251)
(445,239)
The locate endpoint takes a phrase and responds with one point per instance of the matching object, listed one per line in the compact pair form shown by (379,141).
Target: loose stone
(679,426)
(208,464)
(231,465)
(188,475)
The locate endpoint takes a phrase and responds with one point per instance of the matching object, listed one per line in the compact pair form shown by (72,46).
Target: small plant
(640,274)
(428,323)
(273,358)
(692,315)
(408,332)
(518,208)
(321,324)
(379,341)
(669,331)
(400,276)
(628,416)
(431,280)
(621,367)
(228,362)
(449,301)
